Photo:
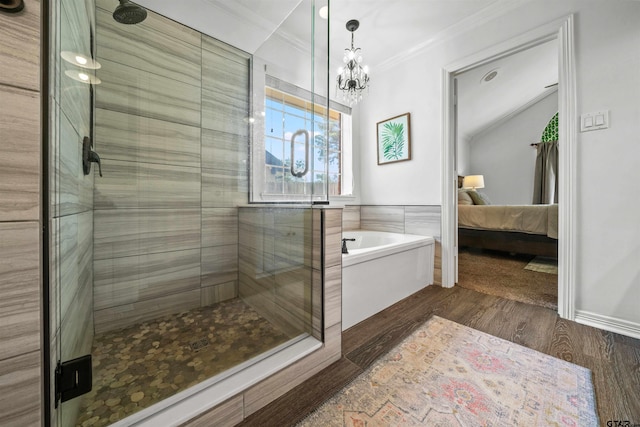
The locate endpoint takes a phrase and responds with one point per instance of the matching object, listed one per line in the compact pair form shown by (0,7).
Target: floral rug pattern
(447,374)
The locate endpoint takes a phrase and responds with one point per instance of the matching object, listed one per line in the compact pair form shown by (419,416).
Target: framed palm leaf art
(394,139)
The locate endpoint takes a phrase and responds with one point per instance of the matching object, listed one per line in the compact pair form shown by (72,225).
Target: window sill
(287,198)
(342,199)
(281,198)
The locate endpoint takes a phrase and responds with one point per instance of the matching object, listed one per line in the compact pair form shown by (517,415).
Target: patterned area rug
(446,374)
(543,264)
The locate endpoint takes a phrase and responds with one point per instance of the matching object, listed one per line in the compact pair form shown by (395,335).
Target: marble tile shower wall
(20,222)
(421,220)
(171,130)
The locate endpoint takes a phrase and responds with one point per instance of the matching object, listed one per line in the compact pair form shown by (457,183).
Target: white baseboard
(612,324)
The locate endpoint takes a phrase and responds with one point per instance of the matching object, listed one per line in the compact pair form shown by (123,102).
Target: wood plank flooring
(613,359)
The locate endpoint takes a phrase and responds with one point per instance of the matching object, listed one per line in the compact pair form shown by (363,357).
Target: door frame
(563,30)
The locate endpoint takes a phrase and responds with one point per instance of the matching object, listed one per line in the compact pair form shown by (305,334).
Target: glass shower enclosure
(179,255)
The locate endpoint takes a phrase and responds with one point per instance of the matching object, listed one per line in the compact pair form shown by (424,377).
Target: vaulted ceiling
(519,81)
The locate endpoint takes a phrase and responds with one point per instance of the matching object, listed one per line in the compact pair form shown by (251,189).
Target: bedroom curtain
(545,183)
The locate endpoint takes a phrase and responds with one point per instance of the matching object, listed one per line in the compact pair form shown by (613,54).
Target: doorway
(563,30)
(507,240)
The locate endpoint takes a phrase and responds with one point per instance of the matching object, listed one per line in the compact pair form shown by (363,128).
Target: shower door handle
(306,153)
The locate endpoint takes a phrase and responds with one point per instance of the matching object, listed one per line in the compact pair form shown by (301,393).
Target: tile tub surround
(421,220)
(351,218)
(166,209)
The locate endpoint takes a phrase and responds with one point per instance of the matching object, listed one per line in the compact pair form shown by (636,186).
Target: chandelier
(353,78)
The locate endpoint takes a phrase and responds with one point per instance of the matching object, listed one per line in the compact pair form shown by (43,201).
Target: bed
(524,229)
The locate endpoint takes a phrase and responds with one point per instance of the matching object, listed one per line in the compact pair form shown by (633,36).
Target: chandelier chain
(352,78)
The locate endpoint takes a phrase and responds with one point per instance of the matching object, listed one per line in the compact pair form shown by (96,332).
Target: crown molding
(495,9)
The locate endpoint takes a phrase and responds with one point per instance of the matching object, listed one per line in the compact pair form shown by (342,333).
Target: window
(287,173)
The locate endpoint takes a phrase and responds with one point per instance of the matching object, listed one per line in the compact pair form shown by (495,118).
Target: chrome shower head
(129,13)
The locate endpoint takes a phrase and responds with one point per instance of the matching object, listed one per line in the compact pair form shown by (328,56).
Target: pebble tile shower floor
(136,367)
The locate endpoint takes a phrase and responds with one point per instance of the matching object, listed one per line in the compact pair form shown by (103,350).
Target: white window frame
(258,147)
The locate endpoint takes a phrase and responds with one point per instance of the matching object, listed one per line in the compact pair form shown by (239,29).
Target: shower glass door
(71,194)
(165,273)
(292,129)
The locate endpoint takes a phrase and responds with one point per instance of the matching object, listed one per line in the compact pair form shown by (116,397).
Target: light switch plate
(594,121)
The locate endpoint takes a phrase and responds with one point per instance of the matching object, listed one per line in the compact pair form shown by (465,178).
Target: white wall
(414,89)
(503,154)
(608,70)
(463,158)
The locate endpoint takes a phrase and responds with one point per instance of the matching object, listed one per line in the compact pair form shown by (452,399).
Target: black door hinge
(73,378)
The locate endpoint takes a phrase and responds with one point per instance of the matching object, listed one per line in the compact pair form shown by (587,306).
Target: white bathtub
(381,269)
